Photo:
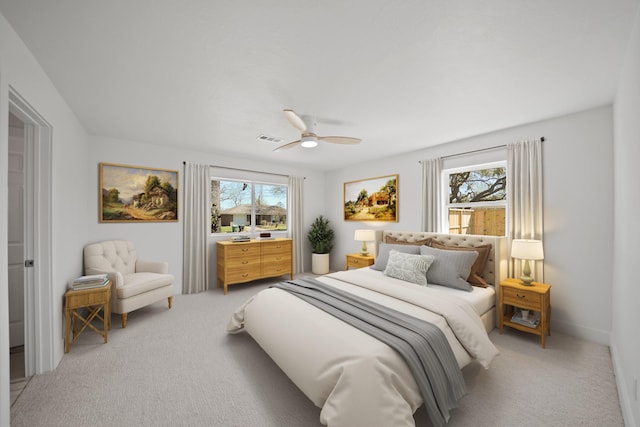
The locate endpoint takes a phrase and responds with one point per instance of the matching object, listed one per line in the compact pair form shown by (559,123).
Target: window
(477,200)
(241,206)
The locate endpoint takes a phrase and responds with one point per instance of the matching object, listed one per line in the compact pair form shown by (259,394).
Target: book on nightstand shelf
(89,282)
(531,321)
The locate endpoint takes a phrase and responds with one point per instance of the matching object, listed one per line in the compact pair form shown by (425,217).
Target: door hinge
(28,263)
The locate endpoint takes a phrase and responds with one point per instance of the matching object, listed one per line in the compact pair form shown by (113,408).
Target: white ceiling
(212,75)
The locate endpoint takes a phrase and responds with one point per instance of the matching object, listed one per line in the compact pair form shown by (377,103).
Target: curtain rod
(477,151)
(246,170)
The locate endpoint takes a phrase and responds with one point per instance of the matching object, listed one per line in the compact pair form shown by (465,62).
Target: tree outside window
(477,201)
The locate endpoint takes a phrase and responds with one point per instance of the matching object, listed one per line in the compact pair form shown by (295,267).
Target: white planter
(320,263)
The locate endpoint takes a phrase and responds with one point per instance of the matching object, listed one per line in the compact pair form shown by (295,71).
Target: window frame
(253,183)
(445,205)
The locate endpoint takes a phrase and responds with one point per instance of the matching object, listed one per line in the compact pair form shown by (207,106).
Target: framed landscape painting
(371,199)
(137,194)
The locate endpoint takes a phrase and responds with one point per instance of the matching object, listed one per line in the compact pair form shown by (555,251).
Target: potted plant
(320,236)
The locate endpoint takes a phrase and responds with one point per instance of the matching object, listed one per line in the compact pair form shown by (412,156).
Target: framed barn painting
(371,199)
(137,194)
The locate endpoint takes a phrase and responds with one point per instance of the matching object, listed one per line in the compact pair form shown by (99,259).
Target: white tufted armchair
(135,283)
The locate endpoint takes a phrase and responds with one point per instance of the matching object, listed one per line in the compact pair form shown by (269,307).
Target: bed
(355,378)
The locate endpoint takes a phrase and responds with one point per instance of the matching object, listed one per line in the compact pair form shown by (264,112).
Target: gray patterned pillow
(450,268)
(408,267)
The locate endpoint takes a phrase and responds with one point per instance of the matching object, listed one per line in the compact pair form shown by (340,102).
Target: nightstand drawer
(359,261)
(355,262)
(521,298)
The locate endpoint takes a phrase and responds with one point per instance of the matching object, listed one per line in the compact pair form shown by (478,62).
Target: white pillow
(408,267)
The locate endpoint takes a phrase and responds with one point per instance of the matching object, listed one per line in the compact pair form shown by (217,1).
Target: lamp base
(364,251)
(526,280)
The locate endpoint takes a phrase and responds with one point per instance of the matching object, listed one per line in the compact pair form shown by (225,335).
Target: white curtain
(431,189)
(197,184)
(524,199)
(296,221)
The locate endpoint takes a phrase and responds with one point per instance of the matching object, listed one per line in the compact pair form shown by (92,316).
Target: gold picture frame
(137,194)
(372,199)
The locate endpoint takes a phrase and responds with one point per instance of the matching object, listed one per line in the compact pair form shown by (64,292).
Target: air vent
(267,138)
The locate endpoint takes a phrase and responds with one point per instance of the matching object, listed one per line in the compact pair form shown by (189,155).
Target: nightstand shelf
(537,298)
(359,261)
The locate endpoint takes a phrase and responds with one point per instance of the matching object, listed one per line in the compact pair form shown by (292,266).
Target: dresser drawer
(243,250)
(242,275)
(242,264)
(268,259)
(276,248)
(276,268)
(521,298)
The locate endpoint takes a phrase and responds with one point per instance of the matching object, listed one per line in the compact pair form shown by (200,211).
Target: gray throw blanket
(423,345)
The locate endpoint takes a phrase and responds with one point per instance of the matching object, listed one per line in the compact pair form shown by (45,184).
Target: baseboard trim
(624,397)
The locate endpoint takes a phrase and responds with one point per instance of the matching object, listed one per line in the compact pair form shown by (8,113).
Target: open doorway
(29,239)
(16,251)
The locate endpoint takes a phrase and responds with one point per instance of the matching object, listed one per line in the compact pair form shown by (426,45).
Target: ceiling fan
(308,138)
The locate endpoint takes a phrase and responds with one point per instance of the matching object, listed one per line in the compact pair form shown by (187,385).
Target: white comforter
(356,379)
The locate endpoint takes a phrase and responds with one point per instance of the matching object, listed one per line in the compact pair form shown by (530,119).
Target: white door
(16,235)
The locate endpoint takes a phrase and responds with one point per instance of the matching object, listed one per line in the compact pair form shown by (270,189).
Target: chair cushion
(111,255)
(139,283)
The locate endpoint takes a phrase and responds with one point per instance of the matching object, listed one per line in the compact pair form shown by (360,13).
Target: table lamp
(365,236)
(527,250)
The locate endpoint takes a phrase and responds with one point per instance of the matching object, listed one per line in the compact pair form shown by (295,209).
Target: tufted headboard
(495,270)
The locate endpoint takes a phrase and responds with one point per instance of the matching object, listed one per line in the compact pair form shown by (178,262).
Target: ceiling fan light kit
(308,138)
(309,141)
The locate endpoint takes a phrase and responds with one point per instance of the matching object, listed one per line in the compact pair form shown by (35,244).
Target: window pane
(478,186)
(485,221)
(234,204)
(271,207)
(230,206)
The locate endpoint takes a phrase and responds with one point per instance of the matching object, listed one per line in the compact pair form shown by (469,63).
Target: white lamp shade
(365,235)
(527,249)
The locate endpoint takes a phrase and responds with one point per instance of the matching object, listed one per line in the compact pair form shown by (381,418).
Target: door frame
(39,304)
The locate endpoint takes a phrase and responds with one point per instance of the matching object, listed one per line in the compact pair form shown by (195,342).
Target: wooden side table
(93,300)
(359,261)
(537,297)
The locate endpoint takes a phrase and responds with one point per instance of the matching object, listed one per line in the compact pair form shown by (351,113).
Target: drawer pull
(245,262)
(245,249)
(521,296)
(245,274)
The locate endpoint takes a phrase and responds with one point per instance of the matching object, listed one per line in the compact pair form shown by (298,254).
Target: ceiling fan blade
(295,120)
(287,146)
(340,139)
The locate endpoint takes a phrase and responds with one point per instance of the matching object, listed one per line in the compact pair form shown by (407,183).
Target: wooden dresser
(241,262)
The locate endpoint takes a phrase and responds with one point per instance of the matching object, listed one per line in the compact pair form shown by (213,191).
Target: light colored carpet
(178,367)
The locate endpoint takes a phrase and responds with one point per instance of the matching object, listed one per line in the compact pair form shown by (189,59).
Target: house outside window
(244,206)
(476,199)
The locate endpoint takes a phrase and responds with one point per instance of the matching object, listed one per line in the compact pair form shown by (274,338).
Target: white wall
(625,342)
(578,210)
(163,241)
(19,70)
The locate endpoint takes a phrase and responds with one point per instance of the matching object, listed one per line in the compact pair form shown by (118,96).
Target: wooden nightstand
(359,261)
(537,297)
